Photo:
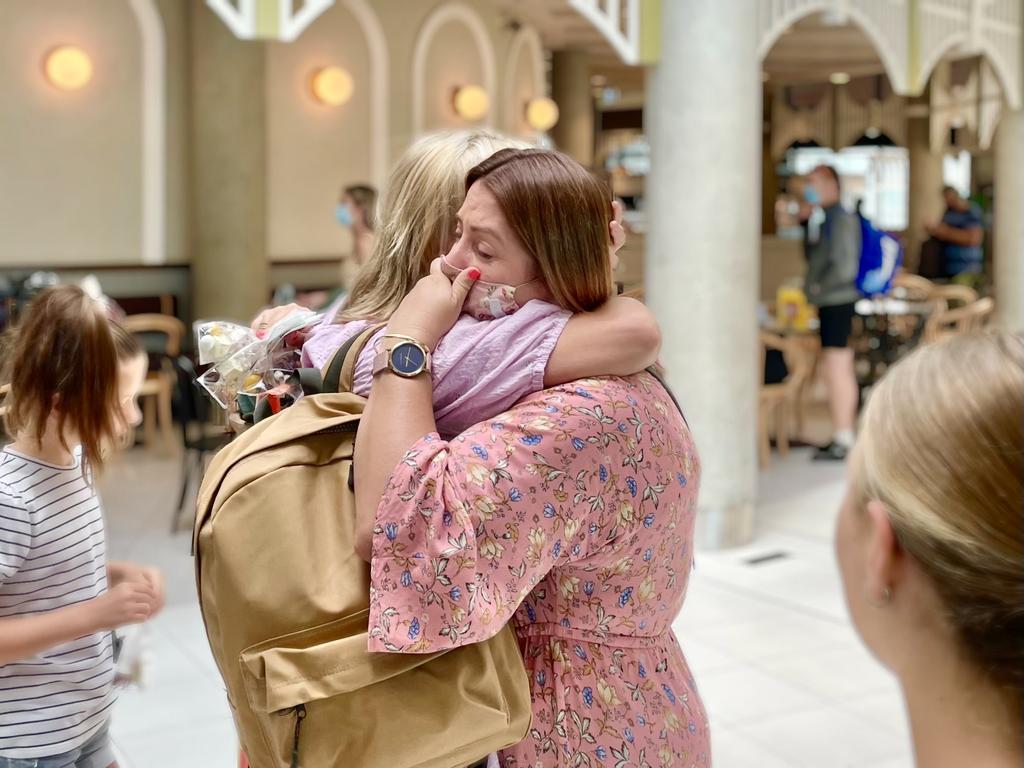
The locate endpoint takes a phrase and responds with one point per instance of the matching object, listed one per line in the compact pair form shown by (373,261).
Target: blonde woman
(931,546)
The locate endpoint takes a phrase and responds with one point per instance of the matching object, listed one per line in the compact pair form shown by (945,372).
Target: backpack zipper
(300,715)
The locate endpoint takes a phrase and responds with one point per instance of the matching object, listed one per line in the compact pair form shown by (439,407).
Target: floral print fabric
(571,515)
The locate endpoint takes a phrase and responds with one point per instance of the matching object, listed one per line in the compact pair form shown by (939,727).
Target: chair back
(917,288)
(972,317)
(953,296)
(798,360)
(171,328)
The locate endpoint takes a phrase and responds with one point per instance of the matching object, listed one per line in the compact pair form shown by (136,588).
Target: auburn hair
(417,218)
(560,213)
(63,358)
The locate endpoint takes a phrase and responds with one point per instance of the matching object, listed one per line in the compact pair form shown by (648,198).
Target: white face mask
(487,301)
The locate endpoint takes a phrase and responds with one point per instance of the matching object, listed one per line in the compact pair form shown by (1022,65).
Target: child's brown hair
(63,356)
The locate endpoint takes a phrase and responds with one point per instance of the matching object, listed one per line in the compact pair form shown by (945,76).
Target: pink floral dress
(571,515)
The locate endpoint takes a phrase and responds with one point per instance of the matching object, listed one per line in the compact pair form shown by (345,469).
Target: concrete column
(1008,219)
(925,201)
(703,247)
(228,127)
(570,88)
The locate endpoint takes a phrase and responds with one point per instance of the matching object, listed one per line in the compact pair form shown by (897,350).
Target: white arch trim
(380,76)
(897,78)
(154,139)
(442,15)
(984,48)
(935,56)
(527,38)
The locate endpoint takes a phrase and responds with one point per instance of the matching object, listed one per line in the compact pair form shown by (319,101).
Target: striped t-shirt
(52,555)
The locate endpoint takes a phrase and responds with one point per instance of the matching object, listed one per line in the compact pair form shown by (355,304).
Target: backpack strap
(340,371)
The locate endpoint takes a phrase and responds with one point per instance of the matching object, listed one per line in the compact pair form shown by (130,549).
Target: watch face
(407,359)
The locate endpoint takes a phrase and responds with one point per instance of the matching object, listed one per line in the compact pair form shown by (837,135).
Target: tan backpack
(285,602)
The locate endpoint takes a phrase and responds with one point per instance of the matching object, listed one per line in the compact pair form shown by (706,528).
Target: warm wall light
(839,78)
(332,86)
(68,67)
(471,102)
(541,114)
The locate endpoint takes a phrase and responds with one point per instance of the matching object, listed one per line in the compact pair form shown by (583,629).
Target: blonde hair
(942,447)
(416,221)
(560,214)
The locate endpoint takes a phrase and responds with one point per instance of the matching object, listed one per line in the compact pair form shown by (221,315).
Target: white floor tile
(704,657)
(785,633)
(210,744)
(826,737)
(730,749)
(834,674)
(744,694)
(172,706)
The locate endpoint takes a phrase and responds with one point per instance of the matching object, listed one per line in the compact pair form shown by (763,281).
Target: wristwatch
(408,358)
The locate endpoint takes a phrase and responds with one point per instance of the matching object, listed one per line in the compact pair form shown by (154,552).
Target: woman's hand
(431,308)
(616,231)
(268,318)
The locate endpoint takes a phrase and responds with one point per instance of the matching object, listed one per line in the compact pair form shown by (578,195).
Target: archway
(462,14)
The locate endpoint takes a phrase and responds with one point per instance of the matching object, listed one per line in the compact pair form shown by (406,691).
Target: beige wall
(453,60)
(70,162)
(523,80)
(314,149)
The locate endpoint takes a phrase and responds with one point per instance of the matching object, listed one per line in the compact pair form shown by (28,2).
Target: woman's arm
(619,339)
(400,411)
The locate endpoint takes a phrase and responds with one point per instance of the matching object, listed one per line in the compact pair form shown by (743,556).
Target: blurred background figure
(833,257)
(357,210)
(960,233)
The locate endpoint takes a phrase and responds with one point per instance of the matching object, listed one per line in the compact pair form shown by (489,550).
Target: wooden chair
(157,391)
(944,324)
(953,296)
(914,287)
(777,401)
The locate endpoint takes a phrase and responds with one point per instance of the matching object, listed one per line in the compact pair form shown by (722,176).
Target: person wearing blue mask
(355,210)
(833,258)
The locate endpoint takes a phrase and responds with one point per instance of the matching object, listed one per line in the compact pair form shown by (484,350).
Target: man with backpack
(833,248)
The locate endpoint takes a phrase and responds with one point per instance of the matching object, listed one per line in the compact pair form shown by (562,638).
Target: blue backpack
(880,256)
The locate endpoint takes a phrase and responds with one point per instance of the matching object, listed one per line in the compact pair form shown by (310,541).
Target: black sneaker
(832,452)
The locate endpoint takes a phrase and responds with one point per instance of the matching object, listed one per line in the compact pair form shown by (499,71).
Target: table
(886,320)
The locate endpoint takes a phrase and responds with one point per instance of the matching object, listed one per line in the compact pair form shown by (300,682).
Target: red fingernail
(474,273)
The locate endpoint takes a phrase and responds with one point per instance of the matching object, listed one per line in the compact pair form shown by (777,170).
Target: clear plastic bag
(217,340)
(243,377)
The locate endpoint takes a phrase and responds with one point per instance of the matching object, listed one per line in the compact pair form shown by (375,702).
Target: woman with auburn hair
(570,515)
(931,545)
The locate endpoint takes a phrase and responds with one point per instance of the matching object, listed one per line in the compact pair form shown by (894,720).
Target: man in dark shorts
(833,258)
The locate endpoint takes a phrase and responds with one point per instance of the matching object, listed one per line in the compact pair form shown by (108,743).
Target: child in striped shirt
(74,377)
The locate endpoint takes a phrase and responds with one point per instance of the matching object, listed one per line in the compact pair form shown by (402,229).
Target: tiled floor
(785,680)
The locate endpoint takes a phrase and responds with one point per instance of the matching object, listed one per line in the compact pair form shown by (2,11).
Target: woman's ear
(885,556)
